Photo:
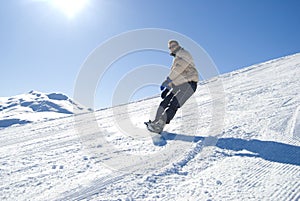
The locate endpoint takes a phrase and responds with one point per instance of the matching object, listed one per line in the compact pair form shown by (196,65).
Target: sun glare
(69,7)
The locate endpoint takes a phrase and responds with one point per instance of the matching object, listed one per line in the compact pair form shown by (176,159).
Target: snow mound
(36,106)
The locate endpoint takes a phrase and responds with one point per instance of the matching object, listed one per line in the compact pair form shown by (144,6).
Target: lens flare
(70,7)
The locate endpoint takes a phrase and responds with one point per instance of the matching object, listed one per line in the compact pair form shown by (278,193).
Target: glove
(164,93)
(165,84)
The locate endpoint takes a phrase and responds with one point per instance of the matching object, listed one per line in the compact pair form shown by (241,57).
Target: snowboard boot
(157,127)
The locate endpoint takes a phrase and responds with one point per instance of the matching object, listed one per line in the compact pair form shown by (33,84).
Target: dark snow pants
(174,100)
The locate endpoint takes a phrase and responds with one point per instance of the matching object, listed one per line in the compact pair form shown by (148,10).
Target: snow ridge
(177,167)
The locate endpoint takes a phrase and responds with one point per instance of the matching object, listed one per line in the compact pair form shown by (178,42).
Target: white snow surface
(255,155)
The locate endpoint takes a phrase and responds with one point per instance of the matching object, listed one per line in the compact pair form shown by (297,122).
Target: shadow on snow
(268,150)
(9,122)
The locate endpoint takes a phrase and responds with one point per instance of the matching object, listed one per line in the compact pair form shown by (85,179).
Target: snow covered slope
(35,106)
(255,156)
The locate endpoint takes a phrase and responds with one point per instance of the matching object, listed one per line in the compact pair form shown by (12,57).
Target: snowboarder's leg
(171,103)
(163,116)
(159,123)
(171,111)
(162,106)
(185,91)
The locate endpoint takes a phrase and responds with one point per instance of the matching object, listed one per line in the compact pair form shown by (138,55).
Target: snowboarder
(178,87)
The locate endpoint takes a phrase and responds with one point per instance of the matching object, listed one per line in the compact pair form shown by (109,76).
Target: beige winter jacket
(183,68)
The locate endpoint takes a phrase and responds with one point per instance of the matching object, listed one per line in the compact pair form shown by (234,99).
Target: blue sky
(43,49)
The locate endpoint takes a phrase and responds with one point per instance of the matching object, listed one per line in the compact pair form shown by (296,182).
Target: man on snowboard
(179,86)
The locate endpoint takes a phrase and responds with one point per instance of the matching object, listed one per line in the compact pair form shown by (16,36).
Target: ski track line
(177,166)
(94,189)
(294,124)
(55,138)
(47,128)
(42,146)
(35,136)
(40,149)
(22,156)
(157,181)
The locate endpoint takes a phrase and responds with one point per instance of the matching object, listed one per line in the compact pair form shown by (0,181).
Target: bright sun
(69,7)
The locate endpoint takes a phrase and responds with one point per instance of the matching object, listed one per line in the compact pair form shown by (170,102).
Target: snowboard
(157,138)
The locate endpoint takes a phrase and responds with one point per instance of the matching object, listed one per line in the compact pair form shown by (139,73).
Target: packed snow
(99,156)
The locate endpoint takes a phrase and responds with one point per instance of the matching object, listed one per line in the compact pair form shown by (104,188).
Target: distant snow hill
(36,106)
